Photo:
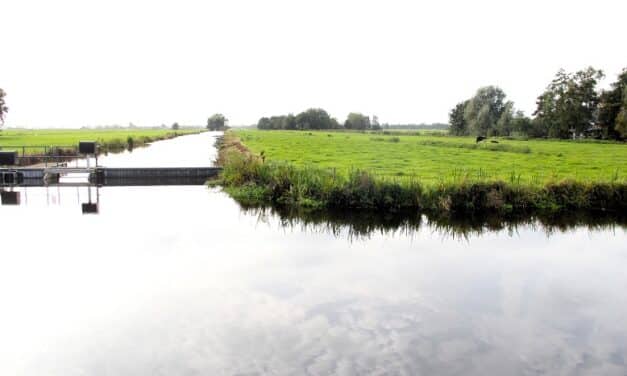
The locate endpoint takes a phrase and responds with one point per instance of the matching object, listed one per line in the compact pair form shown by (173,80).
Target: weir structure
(55,167)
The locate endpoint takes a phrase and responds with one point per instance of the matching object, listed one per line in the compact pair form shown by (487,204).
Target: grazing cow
(494,141)
(480,138)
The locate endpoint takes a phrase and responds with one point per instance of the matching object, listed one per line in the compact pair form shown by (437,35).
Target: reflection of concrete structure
(91,207)
(10,198)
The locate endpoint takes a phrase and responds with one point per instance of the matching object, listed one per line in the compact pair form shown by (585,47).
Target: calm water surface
(180,281)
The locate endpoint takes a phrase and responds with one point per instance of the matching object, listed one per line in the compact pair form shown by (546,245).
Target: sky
(88,63)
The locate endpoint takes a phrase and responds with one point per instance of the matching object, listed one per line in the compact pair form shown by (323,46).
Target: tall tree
(375,123)
(610,105)
(569,103)
(620,126)
(458,125)
(3,107)
(505,123)
(483,111)
(216,122)
(357,120)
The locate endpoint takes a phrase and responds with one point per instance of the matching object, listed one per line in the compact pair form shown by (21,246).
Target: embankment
(253,181)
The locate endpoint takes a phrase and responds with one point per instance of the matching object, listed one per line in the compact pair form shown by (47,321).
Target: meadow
(109,139)
(431,173)
(432,159)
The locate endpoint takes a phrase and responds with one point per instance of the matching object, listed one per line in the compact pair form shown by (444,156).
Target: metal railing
(57,155)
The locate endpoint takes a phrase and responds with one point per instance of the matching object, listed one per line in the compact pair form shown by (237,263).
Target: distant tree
(522,125)
(289,122)
(458,125)
(375,123)
(421,126)
(620,126)
(3,107)
(277,122)
(358,121)
(264,123)
(505,123)
(216,122)
(483,111)
(569,103)
(315,118)
(175,126)
(611,102)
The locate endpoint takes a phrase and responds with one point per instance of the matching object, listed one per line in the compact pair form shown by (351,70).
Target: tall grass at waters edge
(251,181)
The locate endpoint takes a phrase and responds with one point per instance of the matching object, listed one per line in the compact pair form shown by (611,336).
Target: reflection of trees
(360,224)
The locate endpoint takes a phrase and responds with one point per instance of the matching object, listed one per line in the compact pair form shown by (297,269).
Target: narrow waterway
(180,281)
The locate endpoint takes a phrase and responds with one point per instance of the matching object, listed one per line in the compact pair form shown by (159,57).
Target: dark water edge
(364,223)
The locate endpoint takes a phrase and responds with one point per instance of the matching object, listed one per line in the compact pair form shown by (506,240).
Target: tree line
(317,118)
(571,106)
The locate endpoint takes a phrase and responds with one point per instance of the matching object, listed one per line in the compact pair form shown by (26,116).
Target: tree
(315,118)
(277,122)
(356,120)
(458,126)
(175,126)
(216,122)
(505,123)
(523,125)
(375,123)
(3,108)
(569,103)
(620,126)
(289,122)
(264,123)
(483,111)
(611,103)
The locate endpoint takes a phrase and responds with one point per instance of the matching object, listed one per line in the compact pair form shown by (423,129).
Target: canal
(179,280)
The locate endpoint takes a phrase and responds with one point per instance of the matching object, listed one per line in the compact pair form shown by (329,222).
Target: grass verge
(252,180)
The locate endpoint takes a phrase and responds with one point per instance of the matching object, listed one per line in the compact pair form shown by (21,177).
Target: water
(181,281)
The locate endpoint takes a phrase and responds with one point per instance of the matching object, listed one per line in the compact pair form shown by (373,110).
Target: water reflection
(10,197)
(363,224)
(83,195)
(179,281)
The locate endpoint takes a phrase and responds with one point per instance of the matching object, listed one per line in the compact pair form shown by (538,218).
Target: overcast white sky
(76,63)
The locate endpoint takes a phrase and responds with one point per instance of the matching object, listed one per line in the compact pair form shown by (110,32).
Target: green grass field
(11,138)
(432,159)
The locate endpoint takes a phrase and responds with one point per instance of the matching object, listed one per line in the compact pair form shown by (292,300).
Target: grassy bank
(262,178)
(110,140)
(438,159)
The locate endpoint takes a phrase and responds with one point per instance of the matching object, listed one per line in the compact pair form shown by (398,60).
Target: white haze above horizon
(85,63)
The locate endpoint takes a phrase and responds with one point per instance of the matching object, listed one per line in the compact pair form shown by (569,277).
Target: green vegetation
(445,174)
(313,118)
(3,107)
(216,122)
(110,140)
(570,107)
(434,159)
